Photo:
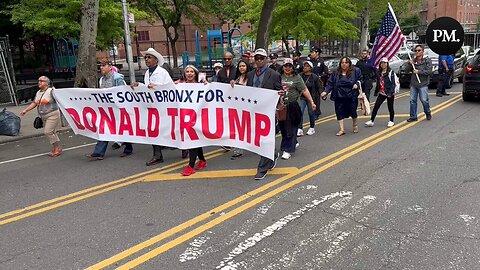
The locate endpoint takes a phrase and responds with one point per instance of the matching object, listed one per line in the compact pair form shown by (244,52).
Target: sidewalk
(26,127)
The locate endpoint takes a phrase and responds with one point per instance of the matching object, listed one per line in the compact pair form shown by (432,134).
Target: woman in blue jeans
(315,87)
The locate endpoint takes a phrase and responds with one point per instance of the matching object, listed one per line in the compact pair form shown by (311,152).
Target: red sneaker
(188,171)
(200,165)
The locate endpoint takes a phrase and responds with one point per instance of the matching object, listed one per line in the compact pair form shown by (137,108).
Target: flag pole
(404,40)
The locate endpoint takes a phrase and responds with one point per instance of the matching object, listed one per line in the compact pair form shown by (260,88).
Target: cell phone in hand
(202,76)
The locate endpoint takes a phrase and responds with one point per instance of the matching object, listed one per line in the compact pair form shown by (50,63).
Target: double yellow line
(48,205)
(315,168)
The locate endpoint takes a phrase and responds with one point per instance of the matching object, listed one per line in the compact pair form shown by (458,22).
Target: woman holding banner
(190,75)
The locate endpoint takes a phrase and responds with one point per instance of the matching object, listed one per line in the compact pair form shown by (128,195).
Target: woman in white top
(48,110)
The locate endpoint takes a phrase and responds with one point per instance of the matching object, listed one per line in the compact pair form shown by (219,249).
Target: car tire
(466,97)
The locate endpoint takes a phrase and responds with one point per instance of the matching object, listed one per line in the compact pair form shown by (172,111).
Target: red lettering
(172,112)
(90,125)
(75,117)
(205,126)
(138,130)
(125,123)
(153,129)
(244,128)
(108,119)
(262,127)
(188,126)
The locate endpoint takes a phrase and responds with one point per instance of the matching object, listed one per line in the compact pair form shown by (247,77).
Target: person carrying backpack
(387,87)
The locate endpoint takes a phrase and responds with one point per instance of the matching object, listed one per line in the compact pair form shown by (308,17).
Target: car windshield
(404,55)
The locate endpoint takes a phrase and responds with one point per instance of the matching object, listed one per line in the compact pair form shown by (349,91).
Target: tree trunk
(264,24)
(364,35)
(285,45)
(173,43)
(86,71)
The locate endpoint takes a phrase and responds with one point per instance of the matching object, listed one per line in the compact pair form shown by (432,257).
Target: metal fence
(7,78)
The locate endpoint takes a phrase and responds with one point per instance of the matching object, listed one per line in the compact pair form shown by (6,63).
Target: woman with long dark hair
(344,85)
(240,79)
(386,84)
(190,75)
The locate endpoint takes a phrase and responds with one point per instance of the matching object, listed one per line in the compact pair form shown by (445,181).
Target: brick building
(466,12)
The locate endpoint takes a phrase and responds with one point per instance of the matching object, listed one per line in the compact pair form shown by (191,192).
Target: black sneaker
(411,119)
(277,155)
(439,95)
(260,175)
(154,161)
(116,145)
(429,116)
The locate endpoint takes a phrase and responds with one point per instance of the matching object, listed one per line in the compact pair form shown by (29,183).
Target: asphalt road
(399,198)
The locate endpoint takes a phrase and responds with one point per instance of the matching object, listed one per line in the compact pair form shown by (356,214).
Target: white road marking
(245,227)
(44,154)
(467,218)
(227,262)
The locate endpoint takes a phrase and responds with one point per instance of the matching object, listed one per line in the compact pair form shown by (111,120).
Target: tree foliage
(305,19)
(61,18)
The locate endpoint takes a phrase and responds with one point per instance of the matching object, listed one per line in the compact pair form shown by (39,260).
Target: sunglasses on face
(259,58)
(227,59)
(148,56)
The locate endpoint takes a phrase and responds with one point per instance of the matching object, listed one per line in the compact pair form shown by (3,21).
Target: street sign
(131,18)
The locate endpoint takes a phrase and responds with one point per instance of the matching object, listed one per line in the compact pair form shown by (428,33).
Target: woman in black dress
(344,85)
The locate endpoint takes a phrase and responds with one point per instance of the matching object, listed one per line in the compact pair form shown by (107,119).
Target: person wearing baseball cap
(264,77)
(295,88)
(273,62)
(297,63)
(154,76)
(387,87)
(319,68)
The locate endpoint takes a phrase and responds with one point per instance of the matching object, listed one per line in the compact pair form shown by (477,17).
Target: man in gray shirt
(421,68)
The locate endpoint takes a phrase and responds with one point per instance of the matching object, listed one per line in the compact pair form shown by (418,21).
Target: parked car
(471,79)
(459,62)
(332,64)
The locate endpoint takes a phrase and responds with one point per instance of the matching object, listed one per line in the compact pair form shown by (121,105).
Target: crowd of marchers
(301,86)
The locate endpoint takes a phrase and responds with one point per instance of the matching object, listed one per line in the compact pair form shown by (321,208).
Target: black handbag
(38,123)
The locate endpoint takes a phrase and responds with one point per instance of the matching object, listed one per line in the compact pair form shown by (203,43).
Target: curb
(20,137)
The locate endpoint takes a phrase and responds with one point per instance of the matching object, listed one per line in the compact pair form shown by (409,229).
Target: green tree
(61,18)
(304,19)
(170,13)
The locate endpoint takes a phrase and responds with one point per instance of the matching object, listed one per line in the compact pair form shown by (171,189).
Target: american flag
(389,39)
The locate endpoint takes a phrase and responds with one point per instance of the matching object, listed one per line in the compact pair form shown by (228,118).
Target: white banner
(177,115)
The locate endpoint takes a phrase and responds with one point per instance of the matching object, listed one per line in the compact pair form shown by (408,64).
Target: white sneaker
(311,131)
(300,132)
(390,124)
(369,123)
(286,155)
(297,145)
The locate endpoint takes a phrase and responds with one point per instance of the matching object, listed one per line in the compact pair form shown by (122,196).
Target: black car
(459,62)
(471,79)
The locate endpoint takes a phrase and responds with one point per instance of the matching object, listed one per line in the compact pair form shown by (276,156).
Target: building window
(143,36)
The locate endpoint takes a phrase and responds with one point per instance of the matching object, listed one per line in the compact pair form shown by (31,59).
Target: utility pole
(128,41)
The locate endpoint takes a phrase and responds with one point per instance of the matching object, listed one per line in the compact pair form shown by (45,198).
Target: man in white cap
(264,77)
(155,75)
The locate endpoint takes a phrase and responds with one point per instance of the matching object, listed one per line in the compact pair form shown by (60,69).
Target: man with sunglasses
(154,76)
(421,68)
(264,77)
(228,72)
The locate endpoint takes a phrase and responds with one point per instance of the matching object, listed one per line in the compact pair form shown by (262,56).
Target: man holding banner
(264,77)
(155,75)
(109,79)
